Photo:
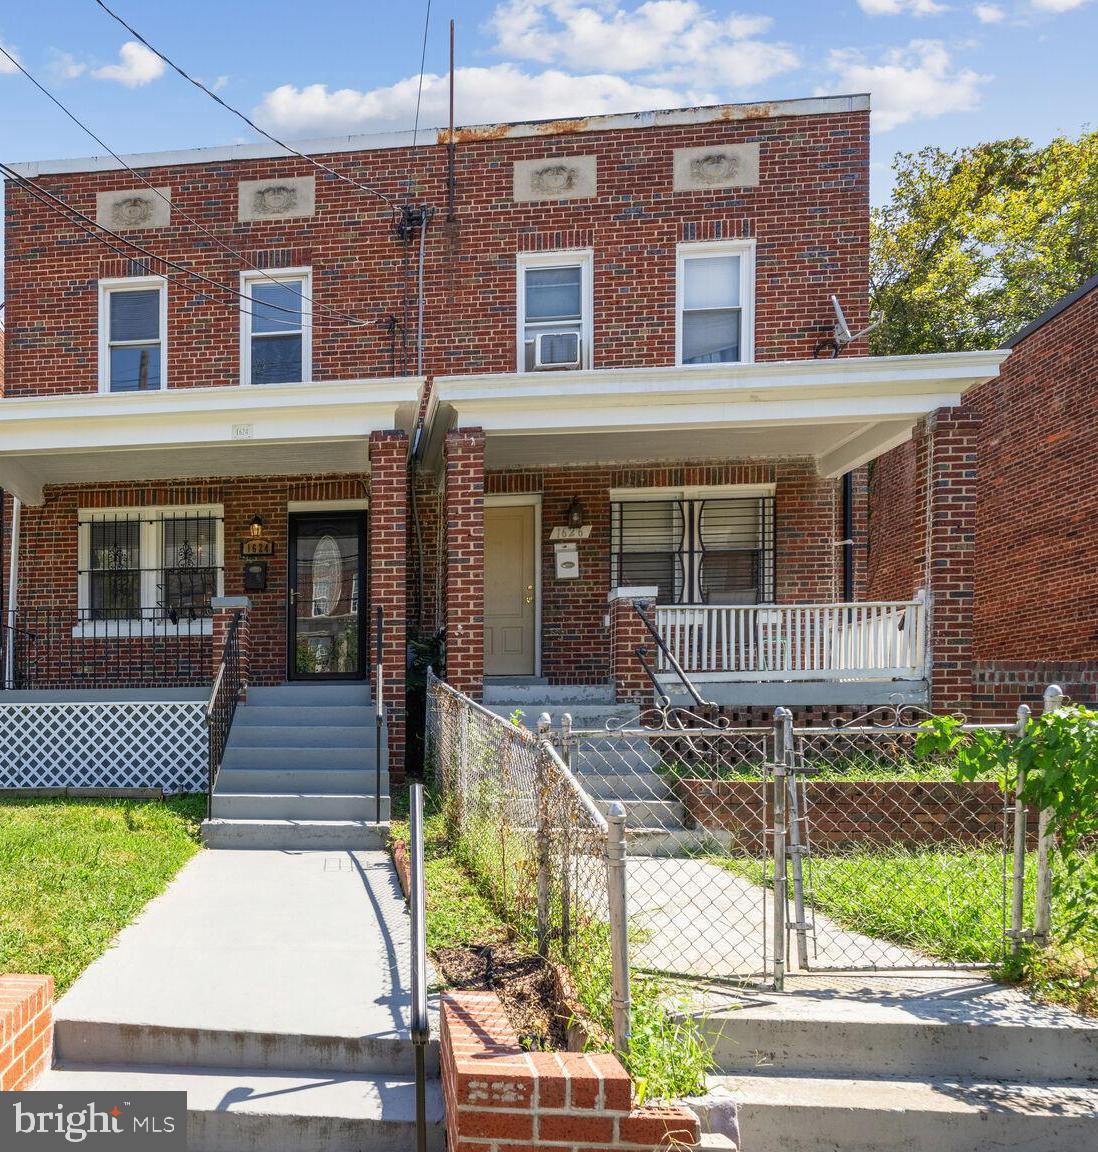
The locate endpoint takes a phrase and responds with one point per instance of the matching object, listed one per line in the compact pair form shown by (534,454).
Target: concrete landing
(254,959)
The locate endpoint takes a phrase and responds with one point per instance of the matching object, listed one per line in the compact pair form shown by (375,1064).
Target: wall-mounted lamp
(576,513)
(256,527)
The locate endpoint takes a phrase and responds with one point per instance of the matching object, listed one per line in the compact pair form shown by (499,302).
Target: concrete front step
(890,1026)
(638,785)
(245,1110)
(297,715)
(529,691)
(294,835)
(823,1114)
(302,735)
(648,813)
(301,759)
(311,780)
(298,806)
(327,693)
(676,842)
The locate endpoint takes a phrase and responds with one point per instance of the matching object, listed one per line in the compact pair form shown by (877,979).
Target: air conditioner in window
(560,349)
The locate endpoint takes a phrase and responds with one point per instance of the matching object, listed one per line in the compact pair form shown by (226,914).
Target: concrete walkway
(260,974)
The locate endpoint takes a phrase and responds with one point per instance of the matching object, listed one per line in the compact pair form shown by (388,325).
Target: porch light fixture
(256,527)
(576,513)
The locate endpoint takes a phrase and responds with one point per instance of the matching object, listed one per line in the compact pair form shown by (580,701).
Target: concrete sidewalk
(260,968)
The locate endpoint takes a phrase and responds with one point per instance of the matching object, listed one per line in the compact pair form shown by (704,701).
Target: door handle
(293,596)
(529,599)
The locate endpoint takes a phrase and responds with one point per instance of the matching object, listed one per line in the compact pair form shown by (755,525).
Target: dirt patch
(526,985)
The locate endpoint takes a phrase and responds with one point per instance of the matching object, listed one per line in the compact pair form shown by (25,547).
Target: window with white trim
(554,311)
(146,569)
(275,326)
(715,302)
(696,547)
(133,321)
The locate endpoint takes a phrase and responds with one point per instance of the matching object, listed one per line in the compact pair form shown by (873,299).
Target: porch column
(627,634)
(388,577)
(464,593)
(945,491)
(224,610)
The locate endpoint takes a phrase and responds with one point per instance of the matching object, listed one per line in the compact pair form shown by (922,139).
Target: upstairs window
(716,302)
(554,312)
(696,547)
(132,326)
(275,328)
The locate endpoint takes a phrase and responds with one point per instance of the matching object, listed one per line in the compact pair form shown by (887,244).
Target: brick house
(1025,552)
(614,397)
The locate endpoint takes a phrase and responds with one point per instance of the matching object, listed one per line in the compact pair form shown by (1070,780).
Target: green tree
(977,242)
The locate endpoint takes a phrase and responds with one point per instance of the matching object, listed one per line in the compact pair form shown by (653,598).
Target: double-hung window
(133,321)
(144,570)
(554,311)
(696,546)
(715,291)
(276,345)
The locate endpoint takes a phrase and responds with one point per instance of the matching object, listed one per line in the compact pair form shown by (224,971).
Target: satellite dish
(841,334)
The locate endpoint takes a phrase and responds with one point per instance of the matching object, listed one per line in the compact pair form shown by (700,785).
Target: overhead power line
(422,62)
(240,115)
(78,219)
(167,200)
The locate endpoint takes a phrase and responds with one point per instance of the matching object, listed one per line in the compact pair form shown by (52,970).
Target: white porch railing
(862,641)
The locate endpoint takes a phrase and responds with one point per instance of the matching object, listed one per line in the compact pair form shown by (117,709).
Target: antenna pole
(451,175)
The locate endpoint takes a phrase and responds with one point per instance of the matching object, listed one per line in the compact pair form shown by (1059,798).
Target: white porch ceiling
(841,412)
(303,428)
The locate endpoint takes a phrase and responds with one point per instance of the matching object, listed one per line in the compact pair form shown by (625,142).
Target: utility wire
(422,62)
(156,191)
(79,219)
(236,112)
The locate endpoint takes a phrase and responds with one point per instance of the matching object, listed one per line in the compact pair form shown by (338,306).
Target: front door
(509,590)
(327,596)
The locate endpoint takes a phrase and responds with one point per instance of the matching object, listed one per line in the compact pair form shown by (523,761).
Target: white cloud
(7,68)
(675,41)
(900,7)
(65,66)
(916,81)
(989,13)
(1057,5)
(484,95)
(136,66)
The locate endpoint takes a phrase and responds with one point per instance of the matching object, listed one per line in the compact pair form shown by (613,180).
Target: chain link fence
(549,860)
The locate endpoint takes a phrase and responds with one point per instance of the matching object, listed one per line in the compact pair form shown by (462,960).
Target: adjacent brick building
(218,382)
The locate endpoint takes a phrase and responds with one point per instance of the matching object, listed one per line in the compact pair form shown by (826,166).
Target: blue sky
(943,72)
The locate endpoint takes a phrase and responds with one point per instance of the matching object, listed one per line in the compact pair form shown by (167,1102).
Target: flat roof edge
(564,126)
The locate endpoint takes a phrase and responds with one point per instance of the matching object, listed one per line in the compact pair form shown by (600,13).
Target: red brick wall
(891,526)
(26,1030)
(809,216)
(575,639)
(499,1097)
(464,576)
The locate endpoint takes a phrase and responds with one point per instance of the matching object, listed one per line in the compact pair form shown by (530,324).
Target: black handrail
(379,707)
(641,609)
(221,707)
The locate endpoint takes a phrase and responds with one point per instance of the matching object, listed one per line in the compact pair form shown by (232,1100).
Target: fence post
(778,835)
(618,902)
(566,738)
(544,842)
(1018,890)
(1042,913)
(796,848)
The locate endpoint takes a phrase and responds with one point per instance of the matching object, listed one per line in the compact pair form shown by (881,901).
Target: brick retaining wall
(26,1030)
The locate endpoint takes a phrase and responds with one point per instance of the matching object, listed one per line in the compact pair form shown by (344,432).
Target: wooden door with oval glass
(327,617)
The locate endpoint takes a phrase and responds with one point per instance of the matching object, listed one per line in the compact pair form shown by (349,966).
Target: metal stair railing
(221,706)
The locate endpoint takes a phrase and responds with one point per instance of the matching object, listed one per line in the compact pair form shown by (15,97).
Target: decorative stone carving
(283,199)
(133,208)
(555,178)
(716,166)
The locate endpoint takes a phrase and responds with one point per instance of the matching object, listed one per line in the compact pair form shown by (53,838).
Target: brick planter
(26,1030)
(855,813)
(499,1097)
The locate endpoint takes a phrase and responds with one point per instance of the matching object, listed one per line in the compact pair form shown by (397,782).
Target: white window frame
(710,249)
(280,275)
(150,540)
(584,258)
(108,288)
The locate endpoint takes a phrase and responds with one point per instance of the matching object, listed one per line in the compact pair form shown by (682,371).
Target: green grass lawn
(74,872)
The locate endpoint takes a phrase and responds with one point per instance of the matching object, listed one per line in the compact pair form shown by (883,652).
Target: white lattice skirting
(138,744)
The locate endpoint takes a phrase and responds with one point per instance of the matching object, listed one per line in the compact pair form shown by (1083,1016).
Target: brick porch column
(224,609)
(388,567)
(945,502)
(627,634)
(464,594)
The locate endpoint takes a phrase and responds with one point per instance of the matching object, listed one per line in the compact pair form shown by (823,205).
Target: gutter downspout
(848,537)
(13,594)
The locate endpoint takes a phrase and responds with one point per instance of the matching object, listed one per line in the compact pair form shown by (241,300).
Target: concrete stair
(272,988)
(301,771)
(949,1064)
